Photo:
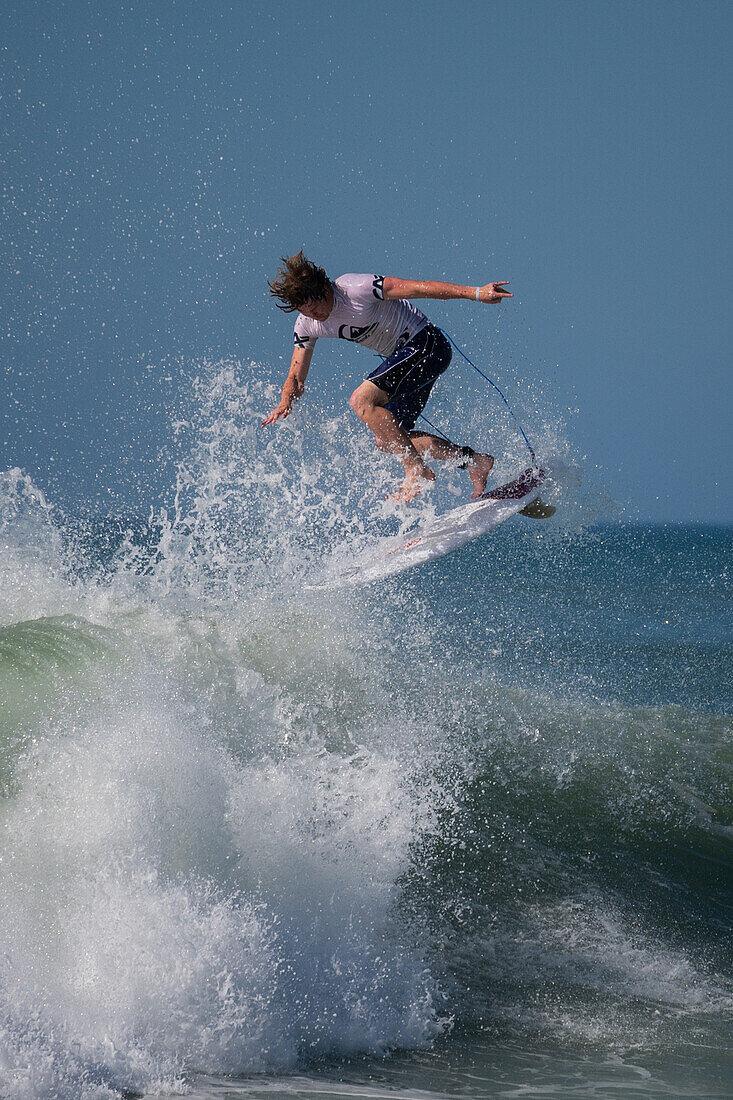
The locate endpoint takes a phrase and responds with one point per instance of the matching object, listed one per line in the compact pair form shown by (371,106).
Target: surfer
(377,312)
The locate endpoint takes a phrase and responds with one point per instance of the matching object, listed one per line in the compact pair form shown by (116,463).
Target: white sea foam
(167,907)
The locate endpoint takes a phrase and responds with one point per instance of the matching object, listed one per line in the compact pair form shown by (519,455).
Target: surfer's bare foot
(478,470)
(412,486)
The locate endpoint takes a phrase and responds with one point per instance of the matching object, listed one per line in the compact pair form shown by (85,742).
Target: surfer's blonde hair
(297,282)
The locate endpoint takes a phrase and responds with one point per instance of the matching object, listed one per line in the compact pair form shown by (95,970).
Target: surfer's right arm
(414,288)
(294,385)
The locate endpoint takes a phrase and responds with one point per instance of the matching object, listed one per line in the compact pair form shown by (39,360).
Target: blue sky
(158,158)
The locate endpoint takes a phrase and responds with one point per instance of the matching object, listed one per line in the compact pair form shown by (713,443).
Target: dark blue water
(639,615)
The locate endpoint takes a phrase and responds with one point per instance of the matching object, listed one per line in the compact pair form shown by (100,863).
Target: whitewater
(463,833)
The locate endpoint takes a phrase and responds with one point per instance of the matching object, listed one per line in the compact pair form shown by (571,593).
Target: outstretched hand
(277,414)
(292,391)
(493,292)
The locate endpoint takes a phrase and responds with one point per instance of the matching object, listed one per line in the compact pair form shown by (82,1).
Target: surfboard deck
(439,536)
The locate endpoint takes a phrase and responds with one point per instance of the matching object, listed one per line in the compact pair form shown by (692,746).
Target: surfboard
(439,536)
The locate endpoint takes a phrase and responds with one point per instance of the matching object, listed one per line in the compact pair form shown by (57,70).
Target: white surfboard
(439,536)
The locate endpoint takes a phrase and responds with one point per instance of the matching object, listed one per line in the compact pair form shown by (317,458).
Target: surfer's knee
(361,404)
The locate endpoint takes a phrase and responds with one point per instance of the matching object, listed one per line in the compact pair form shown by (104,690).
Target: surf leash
(501,395)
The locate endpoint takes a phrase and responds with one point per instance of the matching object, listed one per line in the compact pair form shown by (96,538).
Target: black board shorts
(409,374)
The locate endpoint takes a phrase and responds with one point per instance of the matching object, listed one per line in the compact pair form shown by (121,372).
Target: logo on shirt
(358,335)
(378,287)
(300,341)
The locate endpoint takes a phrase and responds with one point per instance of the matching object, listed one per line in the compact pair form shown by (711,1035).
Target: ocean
(464,833)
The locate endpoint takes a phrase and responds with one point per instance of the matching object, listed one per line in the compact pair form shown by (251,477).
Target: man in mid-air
(376,311)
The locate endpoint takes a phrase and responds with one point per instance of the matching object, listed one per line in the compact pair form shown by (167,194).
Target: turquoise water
(467,833)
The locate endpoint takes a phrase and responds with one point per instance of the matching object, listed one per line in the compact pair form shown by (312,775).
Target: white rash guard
(361,314)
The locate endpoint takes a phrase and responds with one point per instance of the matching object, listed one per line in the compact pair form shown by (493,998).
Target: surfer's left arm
(412,288)
(294,385)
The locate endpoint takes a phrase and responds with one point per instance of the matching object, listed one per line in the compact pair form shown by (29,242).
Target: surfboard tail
(528,480)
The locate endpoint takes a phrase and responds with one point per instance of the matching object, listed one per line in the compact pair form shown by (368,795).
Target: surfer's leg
(368,402)
(398,390)
(478,465)
(436,447)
